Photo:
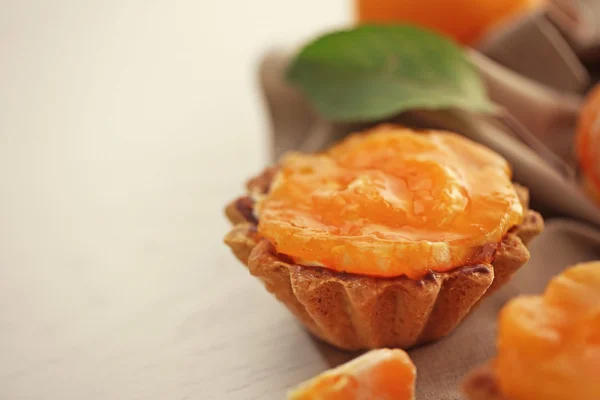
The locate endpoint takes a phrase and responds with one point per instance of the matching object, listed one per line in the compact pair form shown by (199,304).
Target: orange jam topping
(549,346)
(391,202)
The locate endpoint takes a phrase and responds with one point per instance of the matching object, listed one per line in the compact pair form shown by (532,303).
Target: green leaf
(376,71)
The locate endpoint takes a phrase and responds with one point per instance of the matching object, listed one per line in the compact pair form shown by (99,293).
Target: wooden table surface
(125,126)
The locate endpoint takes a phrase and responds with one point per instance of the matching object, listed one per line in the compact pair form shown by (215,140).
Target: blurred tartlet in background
(548,346)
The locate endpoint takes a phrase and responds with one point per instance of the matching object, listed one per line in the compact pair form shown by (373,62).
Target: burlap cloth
(552,182)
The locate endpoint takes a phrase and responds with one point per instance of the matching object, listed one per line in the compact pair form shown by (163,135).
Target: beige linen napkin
(551,179)
(550,175)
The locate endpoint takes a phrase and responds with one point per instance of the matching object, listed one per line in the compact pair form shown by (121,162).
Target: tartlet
(549,345)
(421,289)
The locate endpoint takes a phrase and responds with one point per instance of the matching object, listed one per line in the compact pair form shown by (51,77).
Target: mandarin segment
(382,374)
(392,202)
(549,346)
(588,143)
(465,20)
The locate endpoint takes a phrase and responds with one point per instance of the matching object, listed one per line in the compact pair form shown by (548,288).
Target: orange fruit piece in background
(549,346)
(588,143)
(382,374)
(467,21)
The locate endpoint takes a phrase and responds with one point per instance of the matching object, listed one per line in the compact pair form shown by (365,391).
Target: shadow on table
(332,355)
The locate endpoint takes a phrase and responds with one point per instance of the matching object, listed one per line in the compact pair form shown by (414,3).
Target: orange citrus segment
(466,21)
(391,202)
(382,374)
(588,143)
(549,346)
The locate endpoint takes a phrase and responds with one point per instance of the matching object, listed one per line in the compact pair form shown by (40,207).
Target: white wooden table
(125,126)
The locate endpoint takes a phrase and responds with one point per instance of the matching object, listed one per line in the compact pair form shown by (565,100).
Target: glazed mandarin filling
(382,374)
(549,346)
(392,202)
